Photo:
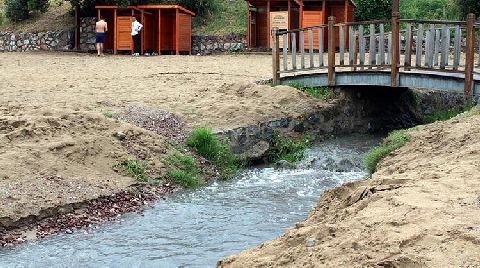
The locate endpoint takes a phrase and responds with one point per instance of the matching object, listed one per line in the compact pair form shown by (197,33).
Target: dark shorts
(100,38)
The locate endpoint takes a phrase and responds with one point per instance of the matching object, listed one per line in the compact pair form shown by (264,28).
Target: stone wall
(21,42)
(87,34)
(205,45)
(355,110)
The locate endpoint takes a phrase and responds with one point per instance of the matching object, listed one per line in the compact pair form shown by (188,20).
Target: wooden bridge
(441,55)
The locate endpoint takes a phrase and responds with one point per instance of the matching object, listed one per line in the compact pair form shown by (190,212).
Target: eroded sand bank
(420,209)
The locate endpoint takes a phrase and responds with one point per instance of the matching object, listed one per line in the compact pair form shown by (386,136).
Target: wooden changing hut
(167,28)
(263,15)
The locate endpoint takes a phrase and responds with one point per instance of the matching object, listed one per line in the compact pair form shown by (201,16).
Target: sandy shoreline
(420,209)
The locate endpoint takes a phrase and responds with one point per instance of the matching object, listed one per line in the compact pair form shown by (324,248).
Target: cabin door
(124,36)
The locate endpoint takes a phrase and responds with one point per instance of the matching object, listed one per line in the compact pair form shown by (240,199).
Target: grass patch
(108,114)
(447,114)
(135,169)
(183,171)
(228,17)
(317,92)
(394,141)
(208,146)
(288,149)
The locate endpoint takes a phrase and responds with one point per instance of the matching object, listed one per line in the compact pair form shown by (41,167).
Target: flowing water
(197,228)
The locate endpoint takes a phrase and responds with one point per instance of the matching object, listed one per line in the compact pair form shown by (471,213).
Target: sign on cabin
(279,19)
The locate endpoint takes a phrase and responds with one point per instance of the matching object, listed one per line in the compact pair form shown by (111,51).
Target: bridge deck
(412,79)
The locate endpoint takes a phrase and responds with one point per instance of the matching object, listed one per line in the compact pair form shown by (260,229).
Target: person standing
(100,31)
(136,28)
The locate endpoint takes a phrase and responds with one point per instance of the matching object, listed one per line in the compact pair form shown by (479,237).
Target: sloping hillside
(228,17)
(57,18)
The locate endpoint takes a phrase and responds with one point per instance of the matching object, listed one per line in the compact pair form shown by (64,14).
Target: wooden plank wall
(185,33)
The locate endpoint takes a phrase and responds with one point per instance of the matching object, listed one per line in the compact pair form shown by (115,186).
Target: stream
(198,228)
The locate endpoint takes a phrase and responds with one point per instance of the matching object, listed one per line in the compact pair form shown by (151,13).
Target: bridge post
(395,43)
(331,51)
(470,55)
(275,57)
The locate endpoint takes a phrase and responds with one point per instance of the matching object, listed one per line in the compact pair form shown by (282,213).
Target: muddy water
(195,229)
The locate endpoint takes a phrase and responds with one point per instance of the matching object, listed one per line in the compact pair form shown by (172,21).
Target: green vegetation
(183,171)
(212,16)
(135,169)
(317,92)
(108,114)
(469,6)
(288,149)
(417,9)
(208,146)
(394,141)
(447,114)
(18,10)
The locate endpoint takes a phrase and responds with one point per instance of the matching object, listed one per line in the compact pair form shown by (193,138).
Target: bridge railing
(422,45)
(477,53)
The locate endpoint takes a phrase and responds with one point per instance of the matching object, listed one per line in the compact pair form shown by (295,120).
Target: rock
(256,151)
(284,164)
(299,225)
(68,231)
(310,242)
(120,135)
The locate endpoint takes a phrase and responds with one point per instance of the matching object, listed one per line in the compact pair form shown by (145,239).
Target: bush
(447,114)
(183,171)
(317,92)
(135,169)
(373,10)
(288,149)
(208,146)
(16,10)
(38,5)
(394,141)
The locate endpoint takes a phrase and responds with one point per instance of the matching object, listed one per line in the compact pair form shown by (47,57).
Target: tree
(38,5)
(373,10)
(469,6)
(16,10)
(432,9)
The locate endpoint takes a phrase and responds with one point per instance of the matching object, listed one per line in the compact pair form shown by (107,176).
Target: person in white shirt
(136,28)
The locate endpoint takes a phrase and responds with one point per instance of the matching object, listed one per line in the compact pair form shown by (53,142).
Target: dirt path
(421,209)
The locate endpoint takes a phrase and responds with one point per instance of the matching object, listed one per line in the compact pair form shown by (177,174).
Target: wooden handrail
(438,49)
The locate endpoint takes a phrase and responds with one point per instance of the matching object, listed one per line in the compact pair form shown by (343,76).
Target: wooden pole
(160,31)
(115,32)
(142,33)
(275,57)
(98,14)
(268,24)
(77,27)
(289,20)
(177,32)
(301,15)
(395,43)
(470,55)
(249,30)
(331,51)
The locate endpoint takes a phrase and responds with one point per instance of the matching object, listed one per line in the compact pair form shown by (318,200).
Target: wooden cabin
(263,15)
(166,28)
